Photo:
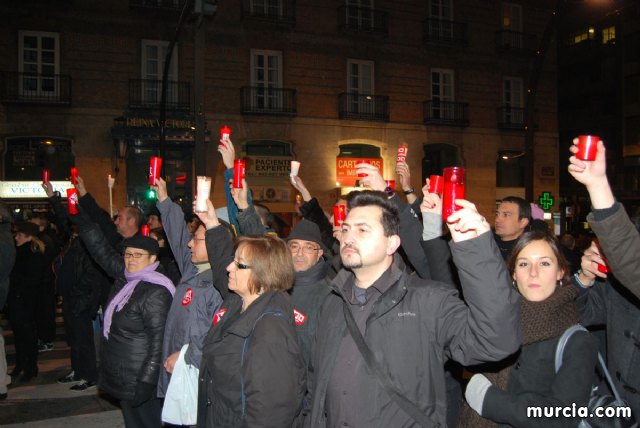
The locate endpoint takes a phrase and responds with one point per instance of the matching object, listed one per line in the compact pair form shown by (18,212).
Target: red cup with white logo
(339,214)
(72,201)
(436,184)
(155,166)
(453,189)
(402,153)
(225,134)
(238,173)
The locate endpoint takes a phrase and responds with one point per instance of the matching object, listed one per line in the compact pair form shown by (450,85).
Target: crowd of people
(392,317)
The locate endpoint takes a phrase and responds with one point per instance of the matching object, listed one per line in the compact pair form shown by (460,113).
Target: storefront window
(26,157)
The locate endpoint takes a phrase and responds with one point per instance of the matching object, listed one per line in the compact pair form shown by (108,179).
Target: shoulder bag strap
(403,402)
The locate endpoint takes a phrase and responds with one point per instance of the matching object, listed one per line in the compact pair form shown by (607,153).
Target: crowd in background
(393,317)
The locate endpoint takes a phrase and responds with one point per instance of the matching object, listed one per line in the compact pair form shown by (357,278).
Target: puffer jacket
(252,372)
(415,326)
(196,299)
(132,352)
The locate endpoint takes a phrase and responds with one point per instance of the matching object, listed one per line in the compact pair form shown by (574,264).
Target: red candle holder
(436,184)
(453,189)
(402,153)
(155,165)
(238,173)
(72,201)
(74,175)
(587,147)
(45,176)
(339,214)
(145,230)
(225,134)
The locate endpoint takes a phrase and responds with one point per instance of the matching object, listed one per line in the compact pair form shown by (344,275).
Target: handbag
(403,402)
(181,400)
(598,399)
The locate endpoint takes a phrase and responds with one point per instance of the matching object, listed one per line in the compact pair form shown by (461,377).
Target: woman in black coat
(528,378)
(252,371)
(134,320)
(26,277)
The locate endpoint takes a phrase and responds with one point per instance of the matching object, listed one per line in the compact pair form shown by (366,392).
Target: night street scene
(244,213)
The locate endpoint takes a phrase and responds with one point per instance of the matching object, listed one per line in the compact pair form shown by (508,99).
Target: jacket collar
(312,275)
(244,324)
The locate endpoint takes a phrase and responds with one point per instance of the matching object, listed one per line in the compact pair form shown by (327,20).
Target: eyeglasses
(134,255)
(306,248)
(241,265)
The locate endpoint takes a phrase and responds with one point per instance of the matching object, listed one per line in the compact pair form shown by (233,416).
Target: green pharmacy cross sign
(546,200)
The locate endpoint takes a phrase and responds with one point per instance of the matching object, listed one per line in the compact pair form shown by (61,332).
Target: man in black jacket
(411,325)
(512,219)
(311,284)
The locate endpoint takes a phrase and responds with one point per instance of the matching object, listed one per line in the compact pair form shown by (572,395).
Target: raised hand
(82,190)
(373,178)
(466,223)
(228,153)
(161,189)
(209,218)
(241,196)
(300,187)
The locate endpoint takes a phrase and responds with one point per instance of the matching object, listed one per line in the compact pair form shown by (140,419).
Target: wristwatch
(410,191)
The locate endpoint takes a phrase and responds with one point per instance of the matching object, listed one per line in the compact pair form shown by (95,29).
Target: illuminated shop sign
(30,189)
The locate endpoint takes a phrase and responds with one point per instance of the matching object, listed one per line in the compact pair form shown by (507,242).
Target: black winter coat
(25,278)
(132,352)
(252,372)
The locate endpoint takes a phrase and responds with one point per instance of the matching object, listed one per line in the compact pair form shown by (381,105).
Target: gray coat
(196,299)
(415,326)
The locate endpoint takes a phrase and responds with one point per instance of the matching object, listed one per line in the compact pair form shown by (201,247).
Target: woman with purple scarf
(134,320)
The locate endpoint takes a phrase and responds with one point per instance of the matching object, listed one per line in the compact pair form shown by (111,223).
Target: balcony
(156,4)
(515,42)
(30,88)
(447,113)
(363,20)
(511,118)
(146,94)
(363,107)
(450,33)
(268,101)
(275,11)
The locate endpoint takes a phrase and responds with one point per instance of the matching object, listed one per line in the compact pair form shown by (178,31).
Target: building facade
(324,83)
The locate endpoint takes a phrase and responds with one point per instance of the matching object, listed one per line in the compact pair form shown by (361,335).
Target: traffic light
(151,194)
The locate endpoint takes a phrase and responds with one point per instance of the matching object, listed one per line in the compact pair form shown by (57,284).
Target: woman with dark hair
(252,371)
(26,277)
(134,321)
(528,378)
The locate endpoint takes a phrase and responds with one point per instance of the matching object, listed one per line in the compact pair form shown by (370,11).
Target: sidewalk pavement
(43,402)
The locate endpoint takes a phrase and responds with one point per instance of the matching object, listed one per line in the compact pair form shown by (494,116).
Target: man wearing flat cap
(311,284)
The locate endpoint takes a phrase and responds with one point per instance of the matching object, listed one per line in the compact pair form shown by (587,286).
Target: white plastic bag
(181,399)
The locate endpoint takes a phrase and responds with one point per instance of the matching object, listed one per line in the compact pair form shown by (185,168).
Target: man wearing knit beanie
(311,284)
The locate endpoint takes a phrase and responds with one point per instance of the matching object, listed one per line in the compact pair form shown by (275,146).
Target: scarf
(147,274)
(539,321)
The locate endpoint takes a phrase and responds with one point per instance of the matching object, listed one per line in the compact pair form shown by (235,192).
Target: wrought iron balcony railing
(268,101)
(511,117)
(361,19)
(363,107)
(449,113)
(31,88)
(146,94)
(276,11)
(516,42)
(439,31)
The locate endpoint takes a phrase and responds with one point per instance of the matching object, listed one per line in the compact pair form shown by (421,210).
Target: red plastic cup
(604,268)
(72,200)
(402,153)
(145,230)
(391,183)
(238,173)
(453,189)
(436,184)
(587,147)
(45,175)
(74,175)
(225,134)
(155,165)
(339,214)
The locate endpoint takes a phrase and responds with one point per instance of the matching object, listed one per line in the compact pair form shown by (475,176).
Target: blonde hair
(270,261)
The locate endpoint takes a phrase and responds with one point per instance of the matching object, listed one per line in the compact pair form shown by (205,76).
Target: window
(582,36)
(39,64)
(609,35)
(266,79)
(360,14)
(511,17)
(441,14)
(437,157)
(27,156)
(441,9)
(265,8)
(360,86)
(442,94)
(154,53)
(512,99)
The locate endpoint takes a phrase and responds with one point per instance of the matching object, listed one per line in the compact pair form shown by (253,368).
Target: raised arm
(97,245)
(97,214)
(219,249)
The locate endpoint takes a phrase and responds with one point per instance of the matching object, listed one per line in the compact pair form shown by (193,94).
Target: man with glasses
(196,299)
(311,284)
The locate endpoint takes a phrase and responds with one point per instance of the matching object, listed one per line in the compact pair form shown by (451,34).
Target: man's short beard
(356,264)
